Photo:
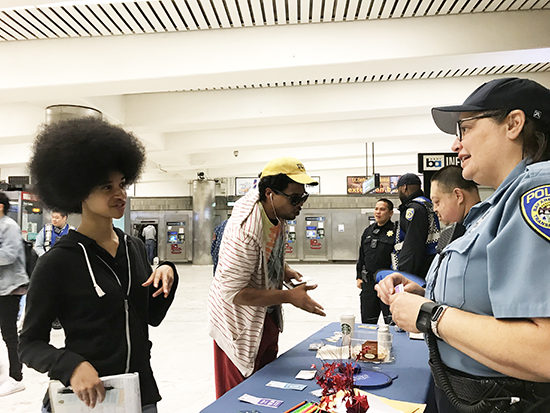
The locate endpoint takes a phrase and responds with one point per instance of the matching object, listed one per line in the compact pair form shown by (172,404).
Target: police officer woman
(375,254)
(486,311)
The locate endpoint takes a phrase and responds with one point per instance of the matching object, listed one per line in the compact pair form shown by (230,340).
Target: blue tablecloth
(413,383)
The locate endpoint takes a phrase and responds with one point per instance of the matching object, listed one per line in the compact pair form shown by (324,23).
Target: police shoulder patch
(409,214)
(535,209)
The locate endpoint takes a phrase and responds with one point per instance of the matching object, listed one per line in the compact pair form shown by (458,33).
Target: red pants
(227,375)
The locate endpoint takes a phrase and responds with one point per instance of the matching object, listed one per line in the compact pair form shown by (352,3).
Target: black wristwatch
(424,320)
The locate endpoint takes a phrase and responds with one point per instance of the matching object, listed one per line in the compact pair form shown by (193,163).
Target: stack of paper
(328,352)
(123,397)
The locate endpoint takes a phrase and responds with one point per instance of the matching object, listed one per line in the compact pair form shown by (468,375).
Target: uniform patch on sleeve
(409,214)
(535,209)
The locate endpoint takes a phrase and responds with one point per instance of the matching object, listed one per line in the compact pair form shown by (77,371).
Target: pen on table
(295,407)
(68,390)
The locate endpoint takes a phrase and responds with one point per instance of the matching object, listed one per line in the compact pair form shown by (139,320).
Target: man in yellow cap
(244,304)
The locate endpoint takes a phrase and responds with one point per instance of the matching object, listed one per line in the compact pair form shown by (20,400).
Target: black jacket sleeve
(158,306)
(361,260)
(41,309)
(413,253)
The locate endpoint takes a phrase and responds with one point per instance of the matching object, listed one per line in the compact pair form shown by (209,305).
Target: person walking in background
(13,284)
(418,232)
(244,304)
(216,242)
(150,235)
(95,280)
(375,251)
(49,234)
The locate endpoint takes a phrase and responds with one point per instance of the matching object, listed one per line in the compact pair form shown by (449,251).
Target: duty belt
(472,389)
(367,277)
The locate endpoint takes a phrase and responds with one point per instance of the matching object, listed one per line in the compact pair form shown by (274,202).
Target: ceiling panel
(19,19)
(388,9)
(103,19)
(88,20)
(94,18)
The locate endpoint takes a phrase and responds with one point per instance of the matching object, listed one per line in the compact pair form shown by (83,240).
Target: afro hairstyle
(70,158)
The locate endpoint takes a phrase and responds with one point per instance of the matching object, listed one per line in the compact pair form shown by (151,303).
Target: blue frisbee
(369,378)
(381,274)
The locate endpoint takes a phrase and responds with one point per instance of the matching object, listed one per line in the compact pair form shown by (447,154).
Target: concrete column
(204,191)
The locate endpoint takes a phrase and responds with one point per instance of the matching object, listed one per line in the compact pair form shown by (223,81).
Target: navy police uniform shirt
(376,247)
(500,266)
(414,256)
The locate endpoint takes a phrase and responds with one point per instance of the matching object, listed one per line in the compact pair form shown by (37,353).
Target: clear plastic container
(378,343)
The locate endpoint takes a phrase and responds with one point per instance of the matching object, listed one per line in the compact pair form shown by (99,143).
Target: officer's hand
(404,308)
(86,384)
(162,275)
(300,298)
(386,287)
(359,282)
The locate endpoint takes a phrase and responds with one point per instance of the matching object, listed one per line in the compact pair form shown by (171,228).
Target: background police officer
(374,254)
(418,228)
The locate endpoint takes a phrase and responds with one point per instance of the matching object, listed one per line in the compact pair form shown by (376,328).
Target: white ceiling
(316,79)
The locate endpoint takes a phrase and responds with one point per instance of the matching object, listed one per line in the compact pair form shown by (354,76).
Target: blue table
(413,383)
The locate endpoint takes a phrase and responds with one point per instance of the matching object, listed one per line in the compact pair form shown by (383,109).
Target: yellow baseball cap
(291,167)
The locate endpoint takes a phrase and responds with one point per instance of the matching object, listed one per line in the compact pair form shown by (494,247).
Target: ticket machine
(291,248)
(315,247)
(176,247)
(26,210)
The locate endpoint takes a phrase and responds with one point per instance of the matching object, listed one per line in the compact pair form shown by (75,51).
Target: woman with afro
(95,280)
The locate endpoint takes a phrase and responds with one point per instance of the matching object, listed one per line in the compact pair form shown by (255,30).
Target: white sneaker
(11,386)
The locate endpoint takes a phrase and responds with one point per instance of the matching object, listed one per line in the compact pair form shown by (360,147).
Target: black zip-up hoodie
(104,317)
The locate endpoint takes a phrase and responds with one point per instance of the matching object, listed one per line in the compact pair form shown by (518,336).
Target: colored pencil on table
(295,407)
(304,408)
(313,408)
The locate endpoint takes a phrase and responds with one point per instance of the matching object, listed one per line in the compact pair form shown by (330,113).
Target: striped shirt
(237,329)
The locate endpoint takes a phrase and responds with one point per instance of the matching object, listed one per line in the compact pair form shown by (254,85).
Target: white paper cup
(347,326)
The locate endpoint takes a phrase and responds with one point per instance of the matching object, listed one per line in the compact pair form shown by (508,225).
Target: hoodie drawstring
(98,290)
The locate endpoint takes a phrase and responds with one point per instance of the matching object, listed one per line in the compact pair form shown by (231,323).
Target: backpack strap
(48,229)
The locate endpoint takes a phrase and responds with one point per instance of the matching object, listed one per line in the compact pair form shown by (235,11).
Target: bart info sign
(435,161)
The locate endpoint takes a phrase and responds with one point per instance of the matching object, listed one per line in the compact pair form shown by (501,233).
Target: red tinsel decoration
(335,377)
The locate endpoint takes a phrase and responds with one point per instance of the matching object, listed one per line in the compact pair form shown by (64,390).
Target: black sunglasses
(294,199)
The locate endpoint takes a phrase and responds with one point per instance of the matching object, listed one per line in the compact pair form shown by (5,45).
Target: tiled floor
(182,351)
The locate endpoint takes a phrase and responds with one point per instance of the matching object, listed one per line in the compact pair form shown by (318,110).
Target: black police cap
(408,179)
(507,94)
